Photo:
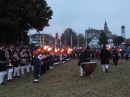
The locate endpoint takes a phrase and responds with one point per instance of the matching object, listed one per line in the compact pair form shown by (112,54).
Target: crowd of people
(15,61)
(104,54)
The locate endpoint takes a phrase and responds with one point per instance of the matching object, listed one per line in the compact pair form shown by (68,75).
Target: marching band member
(31,60)
(115,56)
(64,56)
(3,67)
(104,57)
(37,65)
(84,57)
(23,59)
(16,65)
(9,63)
(48,59)
(27,66)
(44,65)
(51,60)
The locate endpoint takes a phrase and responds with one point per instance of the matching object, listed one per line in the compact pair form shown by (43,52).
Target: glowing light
(49,49)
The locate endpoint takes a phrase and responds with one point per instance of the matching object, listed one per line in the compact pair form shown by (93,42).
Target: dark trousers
(51,62)
(48,65)
(127,56)
(37,71)
(44,67)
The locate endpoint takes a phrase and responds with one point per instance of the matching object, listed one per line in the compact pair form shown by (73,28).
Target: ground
(64,81)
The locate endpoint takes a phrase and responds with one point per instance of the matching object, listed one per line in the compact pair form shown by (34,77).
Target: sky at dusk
(79,15)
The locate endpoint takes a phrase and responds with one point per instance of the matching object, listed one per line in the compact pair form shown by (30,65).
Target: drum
(88,67)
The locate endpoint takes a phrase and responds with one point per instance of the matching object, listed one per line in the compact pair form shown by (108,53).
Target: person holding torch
(37,64)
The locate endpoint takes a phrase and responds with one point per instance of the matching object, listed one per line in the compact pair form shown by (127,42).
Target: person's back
(85,56)
(104,55)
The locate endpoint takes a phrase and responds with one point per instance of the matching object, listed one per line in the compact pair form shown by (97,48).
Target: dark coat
(84,57)
(104,56)
(3,66)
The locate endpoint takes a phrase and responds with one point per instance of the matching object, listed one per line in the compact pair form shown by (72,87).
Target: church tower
(123,31)
(105,27)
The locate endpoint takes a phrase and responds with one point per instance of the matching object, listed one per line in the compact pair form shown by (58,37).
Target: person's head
(87,48)
(2,46)
(104,46)
(37,50)
(17,48)
(11,47)
(22,49)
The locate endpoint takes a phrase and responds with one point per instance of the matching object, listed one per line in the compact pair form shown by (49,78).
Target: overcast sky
(82,14)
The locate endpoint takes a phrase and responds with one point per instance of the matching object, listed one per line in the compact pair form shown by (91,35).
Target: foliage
(66,37)
(103,39)
(49,39)
(17,17)
(118,40)
(32,45)
(81,40)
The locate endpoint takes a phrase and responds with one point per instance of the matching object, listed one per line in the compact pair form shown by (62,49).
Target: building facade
(94,42)
(36,39)
(91,33)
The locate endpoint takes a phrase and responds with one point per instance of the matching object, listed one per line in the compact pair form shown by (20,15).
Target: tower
(123,31)
(105,27)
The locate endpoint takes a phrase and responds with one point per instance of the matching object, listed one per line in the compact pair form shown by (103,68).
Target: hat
(104,46)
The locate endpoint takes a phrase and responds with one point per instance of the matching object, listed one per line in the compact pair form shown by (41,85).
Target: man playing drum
(84,57)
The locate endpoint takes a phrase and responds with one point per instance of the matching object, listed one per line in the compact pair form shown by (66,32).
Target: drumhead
(88,63)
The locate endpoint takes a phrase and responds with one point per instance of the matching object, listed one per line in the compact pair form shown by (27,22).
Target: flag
(57,35)
(56,38)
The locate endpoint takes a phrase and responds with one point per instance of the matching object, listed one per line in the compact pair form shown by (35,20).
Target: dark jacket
(3,66)
(84,57)
(104,56)
(36,60)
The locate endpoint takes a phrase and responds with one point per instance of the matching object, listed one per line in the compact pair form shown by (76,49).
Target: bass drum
(88,67)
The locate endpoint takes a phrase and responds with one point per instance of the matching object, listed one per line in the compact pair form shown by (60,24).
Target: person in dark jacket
(84,57)
(104,57)
(3,67)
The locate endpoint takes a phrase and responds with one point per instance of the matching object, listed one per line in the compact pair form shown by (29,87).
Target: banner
(56,38)
(57,35)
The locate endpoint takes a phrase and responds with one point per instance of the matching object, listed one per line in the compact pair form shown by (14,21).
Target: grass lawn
(64,81)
